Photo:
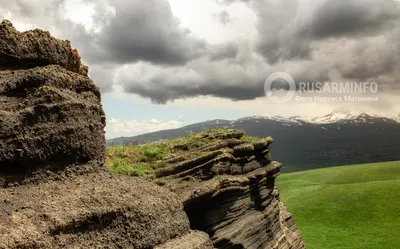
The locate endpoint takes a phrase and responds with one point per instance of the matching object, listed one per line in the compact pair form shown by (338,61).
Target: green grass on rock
(141,160)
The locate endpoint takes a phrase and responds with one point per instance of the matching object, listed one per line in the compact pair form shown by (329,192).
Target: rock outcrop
(91,211)
(50,116)
(55,192)
(36,48)
(54,189)
(227,187)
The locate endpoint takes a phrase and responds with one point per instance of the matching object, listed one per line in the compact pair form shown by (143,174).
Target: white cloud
(116,127)
(199,18)
(80,13)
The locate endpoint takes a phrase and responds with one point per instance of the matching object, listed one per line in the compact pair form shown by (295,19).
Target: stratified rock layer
(50,118)
(54,190)
(228,191)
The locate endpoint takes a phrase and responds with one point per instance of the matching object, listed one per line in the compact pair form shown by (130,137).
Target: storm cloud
(353,18)
(147,31)
(145,49)
(226,51)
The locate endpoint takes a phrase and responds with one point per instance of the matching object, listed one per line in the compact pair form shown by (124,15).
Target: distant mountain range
(339,138)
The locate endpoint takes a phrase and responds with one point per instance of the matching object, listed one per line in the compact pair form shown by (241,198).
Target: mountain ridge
(333,139)
(332,117)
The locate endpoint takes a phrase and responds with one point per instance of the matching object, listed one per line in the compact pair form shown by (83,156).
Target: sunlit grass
(126,167)
(348,207)
(250,139)
(135,160)
(141,160)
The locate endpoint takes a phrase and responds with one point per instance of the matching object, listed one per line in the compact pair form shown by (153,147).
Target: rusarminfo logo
(270,90)
(280,87)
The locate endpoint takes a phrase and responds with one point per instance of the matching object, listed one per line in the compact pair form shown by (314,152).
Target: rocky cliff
(227,187)
(56,193)
(50,116)
(54,189)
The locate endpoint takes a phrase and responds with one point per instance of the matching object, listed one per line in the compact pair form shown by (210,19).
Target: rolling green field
(346,207)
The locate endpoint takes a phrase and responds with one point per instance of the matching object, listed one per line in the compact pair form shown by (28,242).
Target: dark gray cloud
(369,59)
(103,75)
(139,30)
(277,31)
(353,17)
(236,79)
(171,85)
(142,47)
(357,38)
(225,51)
(147,30)
(287,29)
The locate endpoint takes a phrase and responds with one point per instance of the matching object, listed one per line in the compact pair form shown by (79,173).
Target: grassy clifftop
(225,181)
(349,207)
(143,159)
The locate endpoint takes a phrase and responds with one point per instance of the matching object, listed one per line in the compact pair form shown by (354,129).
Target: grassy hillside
(346,207)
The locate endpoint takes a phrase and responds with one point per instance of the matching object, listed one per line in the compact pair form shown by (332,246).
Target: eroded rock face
(193,240)
(90,211)
(36,48)
(50,118)
(50,115)
(54,190)
(228,191)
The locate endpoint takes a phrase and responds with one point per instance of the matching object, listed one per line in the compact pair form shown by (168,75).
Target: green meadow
(348,207)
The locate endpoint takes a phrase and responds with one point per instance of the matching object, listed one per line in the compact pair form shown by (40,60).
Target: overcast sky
(163,64)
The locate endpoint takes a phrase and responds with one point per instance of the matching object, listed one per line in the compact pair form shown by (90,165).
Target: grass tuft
(155,153)
(250,139)
(124,166)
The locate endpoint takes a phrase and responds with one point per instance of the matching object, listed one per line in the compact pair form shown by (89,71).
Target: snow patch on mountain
(350,117)
(285,121)
(331,118)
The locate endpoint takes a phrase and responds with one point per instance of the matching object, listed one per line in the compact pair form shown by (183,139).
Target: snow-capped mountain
(331,118)
(351,117)
(288,121)
(397,118)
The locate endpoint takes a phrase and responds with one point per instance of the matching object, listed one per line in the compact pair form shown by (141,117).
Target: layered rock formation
(54,190)
(56,193)
(50,116)
(227,187)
